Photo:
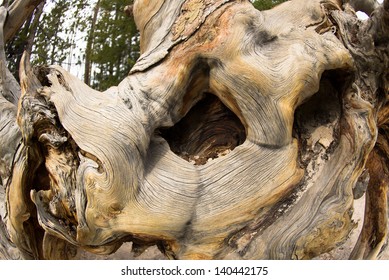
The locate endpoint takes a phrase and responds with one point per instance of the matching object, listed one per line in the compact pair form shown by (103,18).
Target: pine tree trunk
(89,46)
(238,134)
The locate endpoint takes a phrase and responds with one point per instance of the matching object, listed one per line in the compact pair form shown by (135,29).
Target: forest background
(95,40)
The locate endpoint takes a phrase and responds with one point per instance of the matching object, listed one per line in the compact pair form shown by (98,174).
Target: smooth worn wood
(10,137)
(18,12)
(238,134)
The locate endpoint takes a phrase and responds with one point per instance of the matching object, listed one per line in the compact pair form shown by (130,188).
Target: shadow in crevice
(209,130)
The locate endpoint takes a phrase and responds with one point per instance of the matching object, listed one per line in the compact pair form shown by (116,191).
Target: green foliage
(65,37)
(14,50)
(54,42)
(115,44)
(266,4)
(51,46)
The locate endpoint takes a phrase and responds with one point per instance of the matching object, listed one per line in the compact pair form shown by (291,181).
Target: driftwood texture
(237,134)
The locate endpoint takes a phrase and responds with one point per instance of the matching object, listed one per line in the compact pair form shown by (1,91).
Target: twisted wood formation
(238,134)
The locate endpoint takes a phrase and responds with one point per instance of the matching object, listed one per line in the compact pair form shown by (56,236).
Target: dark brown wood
(366,6)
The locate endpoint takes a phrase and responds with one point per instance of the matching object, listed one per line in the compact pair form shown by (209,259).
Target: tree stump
(238,134)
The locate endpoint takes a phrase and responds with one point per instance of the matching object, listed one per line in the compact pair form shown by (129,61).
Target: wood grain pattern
(238,134)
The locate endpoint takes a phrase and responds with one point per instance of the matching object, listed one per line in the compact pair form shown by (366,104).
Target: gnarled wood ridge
(237,134)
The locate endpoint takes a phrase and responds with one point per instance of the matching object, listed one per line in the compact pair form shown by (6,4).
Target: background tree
(54,42)
(16,46)
(115,44)
(266,4)
(63,27)
(89,46)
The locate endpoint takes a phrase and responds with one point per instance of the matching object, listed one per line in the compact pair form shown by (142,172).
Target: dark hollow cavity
(209,130)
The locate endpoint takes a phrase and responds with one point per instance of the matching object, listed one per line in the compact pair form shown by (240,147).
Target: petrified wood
(237,134)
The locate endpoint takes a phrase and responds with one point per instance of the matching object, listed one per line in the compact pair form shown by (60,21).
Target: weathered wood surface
(238,134)
(18,12)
